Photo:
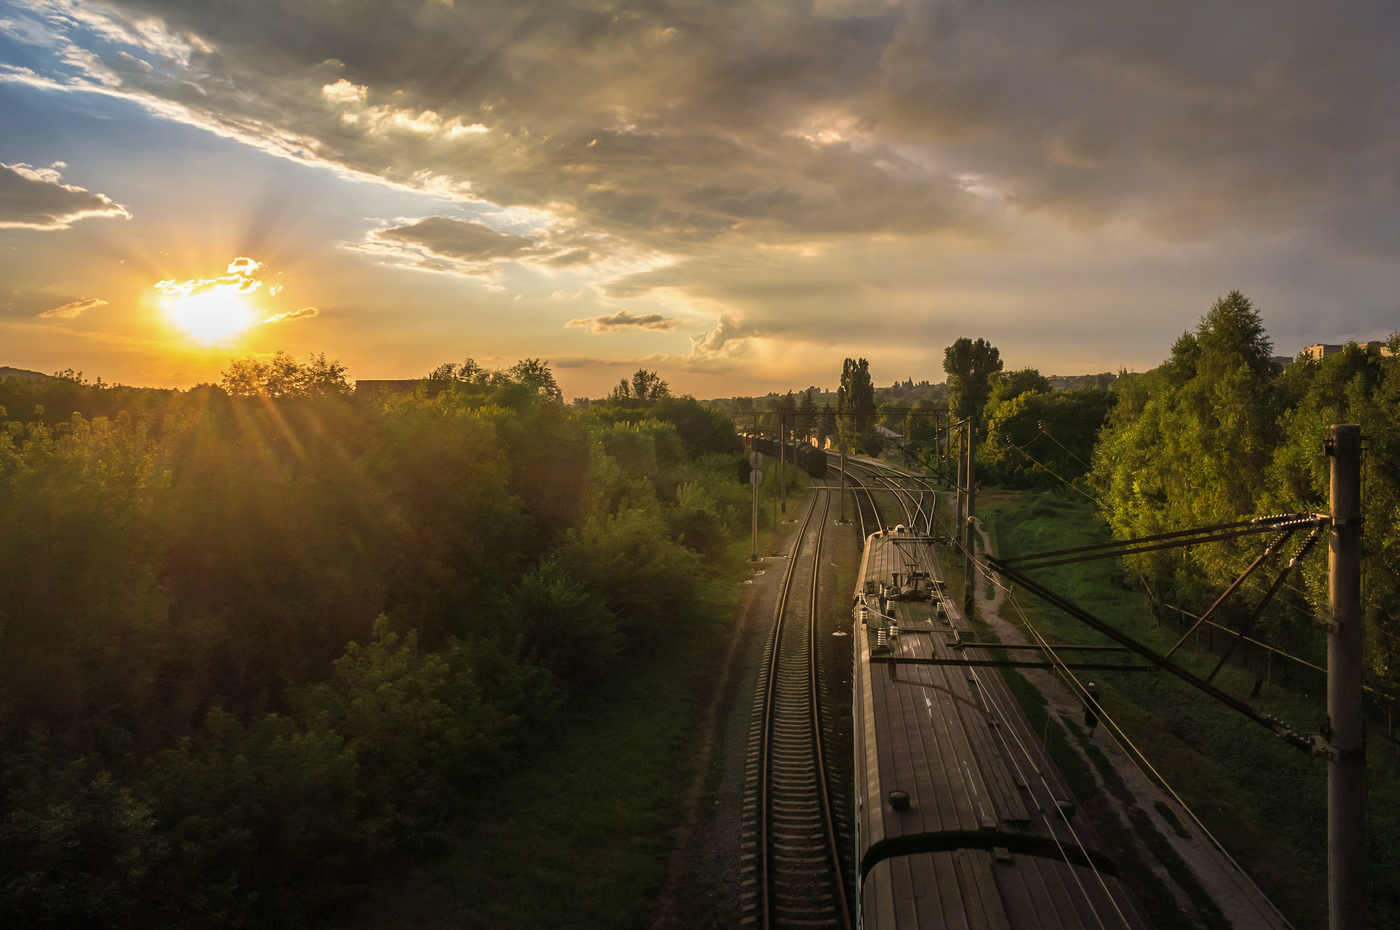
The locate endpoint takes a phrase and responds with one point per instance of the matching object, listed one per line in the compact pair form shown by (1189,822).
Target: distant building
(1075,382)
(1320,350)
(401,386)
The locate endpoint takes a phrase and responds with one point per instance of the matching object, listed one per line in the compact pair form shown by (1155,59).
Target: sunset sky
(735,194)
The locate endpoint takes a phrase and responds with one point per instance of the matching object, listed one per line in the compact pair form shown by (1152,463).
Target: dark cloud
(624,320)
(669,124)
(463,241)
(37,198)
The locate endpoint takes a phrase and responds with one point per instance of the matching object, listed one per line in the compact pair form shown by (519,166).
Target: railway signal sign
(755,476)
(756,459)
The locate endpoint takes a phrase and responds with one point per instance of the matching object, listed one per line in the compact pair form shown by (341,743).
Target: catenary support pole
(970,586)
(958,487)
(841,487)
(1345,730)
(782,457)
(753,538)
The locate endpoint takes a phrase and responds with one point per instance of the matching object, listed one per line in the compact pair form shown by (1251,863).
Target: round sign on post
(755,477)
(756,459)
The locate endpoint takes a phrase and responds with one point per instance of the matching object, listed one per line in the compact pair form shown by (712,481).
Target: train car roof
(989,828)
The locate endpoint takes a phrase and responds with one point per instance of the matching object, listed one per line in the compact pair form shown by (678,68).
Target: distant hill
(7,372)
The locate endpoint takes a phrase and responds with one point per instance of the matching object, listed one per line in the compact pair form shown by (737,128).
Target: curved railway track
(793,875)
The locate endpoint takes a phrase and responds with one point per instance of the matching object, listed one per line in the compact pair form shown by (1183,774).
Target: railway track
(792,867)
(914,495)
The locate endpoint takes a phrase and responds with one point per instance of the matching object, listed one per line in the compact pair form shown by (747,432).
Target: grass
(579,837)
(1264,801)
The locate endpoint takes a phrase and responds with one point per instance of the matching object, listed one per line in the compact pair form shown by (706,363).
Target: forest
(259,638)
(1221,431)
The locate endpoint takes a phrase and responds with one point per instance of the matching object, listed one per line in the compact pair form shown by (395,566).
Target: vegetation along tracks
(792,873)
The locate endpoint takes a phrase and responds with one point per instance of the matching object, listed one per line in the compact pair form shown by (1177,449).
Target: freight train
(808,457)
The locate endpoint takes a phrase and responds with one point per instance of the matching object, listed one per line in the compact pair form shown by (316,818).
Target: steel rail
(780,713)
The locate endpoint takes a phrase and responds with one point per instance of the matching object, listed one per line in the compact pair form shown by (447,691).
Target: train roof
(989,836)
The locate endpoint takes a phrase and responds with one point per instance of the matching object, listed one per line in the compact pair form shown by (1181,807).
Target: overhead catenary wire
(1052,473)
(1022,751)
(1013,755)
(1137,757)
(1116,732)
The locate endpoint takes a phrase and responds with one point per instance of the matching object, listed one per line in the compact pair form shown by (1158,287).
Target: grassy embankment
(579,837)
(1264,801)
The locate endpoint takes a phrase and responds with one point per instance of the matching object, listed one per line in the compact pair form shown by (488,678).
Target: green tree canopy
(855,402)
(283,376)
(969,365)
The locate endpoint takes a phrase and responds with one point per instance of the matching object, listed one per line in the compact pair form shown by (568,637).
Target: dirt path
(1238,899)
(701,890)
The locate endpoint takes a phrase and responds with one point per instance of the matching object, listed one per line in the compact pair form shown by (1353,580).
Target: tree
(787,410)
(825,424)
(969,365)
(452,371)
(645,386)
(855,403)
(282,376)
(806,415)
(1188,443)
(1008,385)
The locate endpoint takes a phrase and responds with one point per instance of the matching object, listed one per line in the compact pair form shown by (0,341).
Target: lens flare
(212,316)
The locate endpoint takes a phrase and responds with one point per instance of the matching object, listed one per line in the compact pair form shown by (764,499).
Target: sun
(212,316)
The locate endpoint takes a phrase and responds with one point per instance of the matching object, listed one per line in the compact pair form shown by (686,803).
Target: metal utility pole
(782,458)
(970,585)
(841,488)
(1345,731)
(958,487)
(755,479)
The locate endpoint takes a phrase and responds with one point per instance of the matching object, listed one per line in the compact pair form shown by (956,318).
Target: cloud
(470,242)
(471,247)
(575,361)
(728,338)
(37,198)
(624,320)
(305,313)
(239,280)
(75,308)
(758,123)
(904,143)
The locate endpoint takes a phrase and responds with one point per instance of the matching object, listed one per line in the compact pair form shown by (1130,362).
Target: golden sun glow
(212,316)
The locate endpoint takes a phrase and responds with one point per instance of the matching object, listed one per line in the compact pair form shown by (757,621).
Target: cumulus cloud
(75,308)
(304,313)
(728,338)
(37,198)
(624,320)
